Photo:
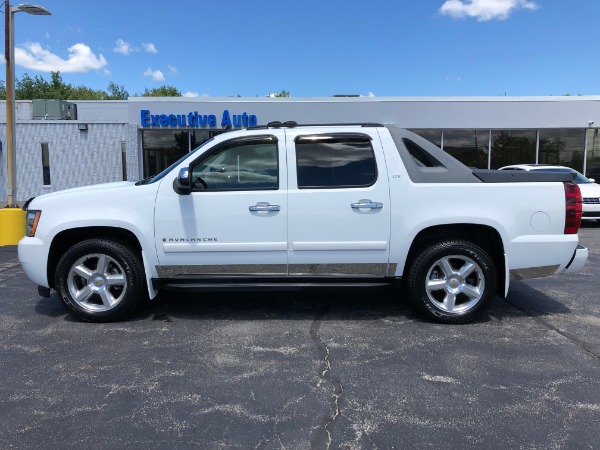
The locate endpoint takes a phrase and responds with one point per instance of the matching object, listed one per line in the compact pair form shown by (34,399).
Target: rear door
(338,203)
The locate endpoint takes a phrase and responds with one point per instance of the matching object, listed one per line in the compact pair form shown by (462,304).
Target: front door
(235,220)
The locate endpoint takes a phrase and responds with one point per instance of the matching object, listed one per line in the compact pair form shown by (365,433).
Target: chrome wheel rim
(97,282)
(455,284)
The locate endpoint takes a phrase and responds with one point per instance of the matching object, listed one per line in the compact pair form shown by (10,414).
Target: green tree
(116,92)
(28,88)
(162,91)
(282,93)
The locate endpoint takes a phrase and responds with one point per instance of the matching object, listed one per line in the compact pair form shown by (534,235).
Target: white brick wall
(77,158)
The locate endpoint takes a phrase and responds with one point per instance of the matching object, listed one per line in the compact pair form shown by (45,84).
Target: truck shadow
(372,304)
(523,300)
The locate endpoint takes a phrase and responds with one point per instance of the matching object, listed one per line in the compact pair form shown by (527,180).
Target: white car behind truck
(305,206)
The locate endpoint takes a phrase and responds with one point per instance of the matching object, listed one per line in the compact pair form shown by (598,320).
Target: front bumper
(591,210)
(33,256)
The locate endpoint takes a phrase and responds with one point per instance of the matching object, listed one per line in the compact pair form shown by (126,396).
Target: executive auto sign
(195,120)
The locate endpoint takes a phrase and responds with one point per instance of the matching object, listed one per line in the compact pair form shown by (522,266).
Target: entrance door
(235,220)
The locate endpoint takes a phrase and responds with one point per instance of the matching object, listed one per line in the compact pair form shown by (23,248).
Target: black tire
(452,281)
(100,280)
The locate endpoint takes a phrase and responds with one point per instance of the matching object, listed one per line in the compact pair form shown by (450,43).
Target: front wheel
(100,280)
(452,281)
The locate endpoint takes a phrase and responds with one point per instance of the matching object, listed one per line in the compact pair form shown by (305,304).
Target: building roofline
(364,99)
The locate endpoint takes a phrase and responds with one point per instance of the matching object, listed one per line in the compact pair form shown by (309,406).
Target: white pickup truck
(305,206)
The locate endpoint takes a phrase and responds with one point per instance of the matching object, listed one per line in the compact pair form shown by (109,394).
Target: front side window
(341,160)
(238,165)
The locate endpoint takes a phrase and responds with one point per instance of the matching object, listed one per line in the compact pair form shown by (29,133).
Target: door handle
(366,204)
(264,206)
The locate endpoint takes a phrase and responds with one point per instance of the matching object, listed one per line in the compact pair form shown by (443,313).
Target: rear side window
(420,156)
(340,160)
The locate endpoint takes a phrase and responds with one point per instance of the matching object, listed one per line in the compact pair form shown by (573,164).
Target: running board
(247,285)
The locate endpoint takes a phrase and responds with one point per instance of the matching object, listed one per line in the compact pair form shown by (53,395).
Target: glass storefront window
(592,169)
(432,135)
(470,147)
(562,146)
(163,147)
(513,147)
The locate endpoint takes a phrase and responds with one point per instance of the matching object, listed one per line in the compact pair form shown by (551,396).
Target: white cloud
(484,10)
(81,59)
(124,48)
(149,47)
(195,94)
(173,70)
(156,75)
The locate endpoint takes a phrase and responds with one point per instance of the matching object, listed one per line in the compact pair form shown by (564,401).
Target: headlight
(31,222)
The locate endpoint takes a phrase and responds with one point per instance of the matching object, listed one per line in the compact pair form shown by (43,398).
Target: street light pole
(10,103)
(9,49)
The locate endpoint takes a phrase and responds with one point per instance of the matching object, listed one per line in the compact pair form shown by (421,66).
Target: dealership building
(60,145)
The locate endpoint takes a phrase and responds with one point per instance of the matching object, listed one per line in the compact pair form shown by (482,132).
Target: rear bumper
(578,260)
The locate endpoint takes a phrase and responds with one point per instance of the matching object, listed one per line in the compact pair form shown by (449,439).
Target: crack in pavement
(322,436)
(4,280)
(570,336)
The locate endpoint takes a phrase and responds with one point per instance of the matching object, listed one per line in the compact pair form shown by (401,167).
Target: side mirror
(592,180)
(181,185)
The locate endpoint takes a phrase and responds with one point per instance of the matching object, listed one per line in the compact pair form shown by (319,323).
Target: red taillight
(573,208)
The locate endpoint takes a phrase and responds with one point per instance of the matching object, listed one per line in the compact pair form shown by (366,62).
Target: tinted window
(593,154)
(470,147)
(238,165)
(513,147)
(420,156)
(564,147)
(335,162)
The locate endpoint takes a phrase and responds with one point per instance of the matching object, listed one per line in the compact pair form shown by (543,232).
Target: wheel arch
(67,238)
(484,236)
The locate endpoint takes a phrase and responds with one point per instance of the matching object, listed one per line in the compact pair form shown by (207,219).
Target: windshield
(579,178)
(155,178)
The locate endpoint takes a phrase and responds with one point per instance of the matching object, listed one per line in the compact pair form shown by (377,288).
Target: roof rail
(293,124)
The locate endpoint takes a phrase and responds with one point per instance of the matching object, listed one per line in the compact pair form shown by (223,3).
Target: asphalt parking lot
(278,370)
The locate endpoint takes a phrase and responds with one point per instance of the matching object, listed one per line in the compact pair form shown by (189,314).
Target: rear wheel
(452,281)
(100,280)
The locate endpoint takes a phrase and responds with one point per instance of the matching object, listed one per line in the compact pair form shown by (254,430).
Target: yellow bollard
(12,226)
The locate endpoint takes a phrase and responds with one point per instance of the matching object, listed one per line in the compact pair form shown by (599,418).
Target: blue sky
(318,48)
